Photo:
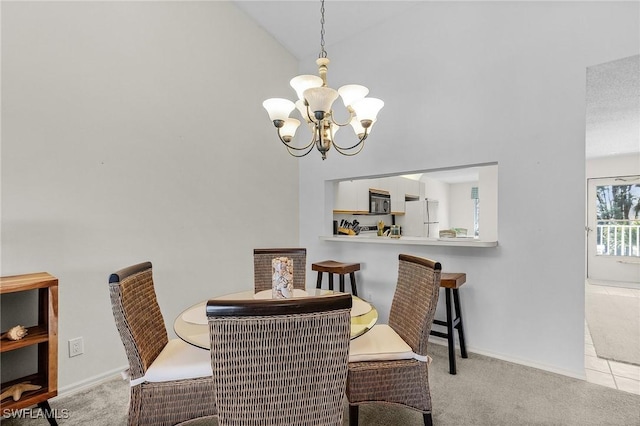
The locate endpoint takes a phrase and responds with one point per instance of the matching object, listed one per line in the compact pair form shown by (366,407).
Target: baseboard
(620,284)
(528,363)
(90,382)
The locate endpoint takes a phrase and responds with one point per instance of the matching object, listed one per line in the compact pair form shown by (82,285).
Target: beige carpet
(485,392)
(614,323)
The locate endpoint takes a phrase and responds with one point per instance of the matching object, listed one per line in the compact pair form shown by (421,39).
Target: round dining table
(191,325)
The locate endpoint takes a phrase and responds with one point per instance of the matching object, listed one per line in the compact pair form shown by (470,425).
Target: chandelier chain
(323,53)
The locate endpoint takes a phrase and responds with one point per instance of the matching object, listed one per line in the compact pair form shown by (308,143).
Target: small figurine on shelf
(16,391)
(15,333)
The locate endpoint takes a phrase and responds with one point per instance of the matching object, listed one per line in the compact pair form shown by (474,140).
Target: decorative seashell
(16,333)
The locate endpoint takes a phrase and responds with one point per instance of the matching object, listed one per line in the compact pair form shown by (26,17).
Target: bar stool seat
(451,282)
(332,267)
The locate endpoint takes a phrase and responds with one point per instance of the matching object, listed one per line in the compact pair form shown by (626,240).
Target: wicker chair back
(415,300)
(262,272)
(404,381)
(137,316)
(280,362)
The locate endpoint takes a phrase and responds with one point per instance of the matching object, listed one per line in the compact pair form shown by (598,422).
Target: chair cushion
(381,343)
(178,361)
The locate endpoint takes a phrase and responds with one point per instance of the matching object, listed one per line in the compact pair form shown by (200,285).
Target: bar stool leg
(48,414)
(450,344)
(342,283)
(319,280)
(352,279)
(456,302)
(353,415)
(330,281)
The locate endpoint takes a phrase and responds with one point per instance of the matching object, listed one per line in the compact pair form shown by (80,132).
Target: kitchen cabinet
(403,188)
(396,189)
(44,335)
(412,188)
(345,196)
(352,196)
(363,194)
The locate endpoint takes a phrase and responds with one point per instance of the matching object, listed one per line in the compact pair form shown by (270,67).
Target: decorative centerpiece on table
(282,278)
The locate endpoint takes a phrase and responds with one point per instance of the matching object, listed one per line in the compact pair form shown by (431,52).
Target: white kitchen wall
(134,131)
(470,83)
(489,212)
(461,206)
(437,190)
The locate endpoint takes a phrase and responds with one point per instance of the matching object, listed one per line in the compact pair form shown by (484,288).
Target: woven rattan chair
(280,362)
(170,379)
(262,271)
(388,364)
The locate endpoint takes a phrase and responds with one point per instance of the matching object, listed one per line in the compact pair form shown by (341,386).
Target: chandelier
(315,100)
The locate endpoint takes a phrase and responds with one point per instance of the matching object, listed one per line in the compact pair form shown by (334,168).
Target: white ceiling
(459,175)
(613,108)
(296,24)
(613,89)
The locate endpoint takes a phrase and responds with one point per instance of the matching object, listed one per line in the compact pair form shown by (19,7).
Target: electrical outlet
(76,347)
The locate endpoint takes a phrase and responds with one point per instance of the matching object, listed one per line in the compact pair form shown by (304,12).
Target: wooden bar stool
(452,281)
(332,267)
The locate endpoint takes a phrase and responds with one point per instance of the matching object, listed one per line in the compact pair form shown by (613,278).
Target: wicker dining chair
(388,364)
(280,362)
(262,270)
(170,379)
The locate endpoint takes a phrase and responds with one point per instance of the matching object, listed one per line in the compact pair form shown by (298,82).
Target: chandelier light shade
(367,109)
(278,108)
(288,130)
(304,82)
(315,106)
(351,93)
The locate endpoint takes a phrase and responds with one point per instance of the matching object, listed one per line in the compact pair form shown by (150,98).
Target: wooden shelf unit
(44,335)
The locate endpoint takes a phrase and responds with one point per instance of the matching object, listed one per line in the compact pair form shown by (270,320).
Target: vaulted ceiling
(613,92)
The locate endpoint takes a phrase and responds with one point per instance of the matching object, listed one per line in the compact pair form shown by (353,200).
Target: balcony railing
(618,238)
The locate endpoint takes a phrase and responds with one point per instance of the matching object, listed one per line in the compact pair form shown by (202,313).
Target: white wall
(438,190)
(471,83)
(615,165)
(488,189)
(461,206)
(134,131)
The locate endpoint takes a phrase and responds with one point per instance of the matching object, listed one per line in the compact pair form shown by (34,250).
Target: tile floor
(617,375)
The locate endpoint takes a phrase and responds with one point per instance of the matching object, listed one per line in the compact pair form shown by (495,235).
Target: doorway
(612,274)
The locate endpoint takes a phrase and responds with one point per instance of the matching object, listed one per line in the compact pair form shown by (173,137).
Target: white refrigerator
(421,219)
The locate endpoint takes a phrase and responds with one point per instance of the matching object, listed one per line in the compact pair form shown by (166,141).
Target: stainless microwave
(379,202)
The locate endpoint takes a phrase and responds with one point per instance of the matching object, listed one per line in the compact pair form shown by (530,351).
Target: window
(476,211)
(618,220)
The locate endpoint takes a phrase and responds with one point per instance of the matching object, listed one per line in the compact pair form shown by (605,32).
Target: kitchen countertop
(424,241)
